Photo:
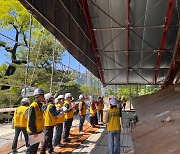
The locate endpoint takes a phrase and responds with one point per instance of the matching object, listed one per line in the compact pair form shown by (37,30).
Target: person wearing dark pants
(67,127)
(20,123)
(59,101)
(17,132)
(50,120)
(100,106)
(35,122)
(93,113)
(48,135)
(82,112)
(69,113)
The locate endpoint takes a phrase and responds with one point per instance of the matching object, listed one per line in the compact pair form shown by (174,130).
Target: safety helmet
(25,100)
(81,96)
(91,98)
(113,101)
(68,95)
(60,97)
(48,96)
(38,91)
(56,101)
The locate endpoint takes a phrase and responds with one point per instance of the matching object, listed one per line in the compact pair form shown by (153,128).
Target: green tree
(90,90)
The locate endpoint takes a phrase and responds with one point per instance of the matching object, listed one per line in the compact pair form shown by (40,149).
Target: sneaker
(59,146)
(81,132)
(14,151)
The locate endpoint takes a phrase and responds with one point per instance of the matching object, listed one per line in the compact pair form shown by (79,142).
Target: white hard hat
(48,96)
(56,100)
(25,100)
(81,96)
(110,96)
(113,101)
(68,95)
(60,97)
(38,91)
(91,98)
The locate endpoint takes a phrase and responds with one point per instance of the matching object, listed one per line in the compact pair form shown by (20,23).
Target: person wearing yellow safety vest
(124,103)
(50,120)
(20,123)
(93,112)
(114,126)
(82,112)
(69,114)
(99,107)
(35,121)
(59,101)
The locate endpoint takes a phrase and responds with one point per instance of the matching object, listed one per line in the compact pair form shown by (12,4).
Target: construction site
(121,42)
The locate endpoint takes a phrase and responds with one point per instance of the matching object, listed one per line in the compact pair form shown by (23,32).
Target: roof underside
(119,41)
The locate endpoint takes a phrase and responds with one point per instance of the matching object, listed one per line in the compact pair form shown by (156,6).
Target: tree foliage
(127,91)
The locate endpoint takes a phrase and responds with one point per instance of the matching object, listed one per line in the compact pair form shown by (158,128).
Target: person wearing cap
(69,114)
(35,121)
(59,101)
(93,112)
(82,112)
(50,120)
(20,123)
(99,107)
(114,126)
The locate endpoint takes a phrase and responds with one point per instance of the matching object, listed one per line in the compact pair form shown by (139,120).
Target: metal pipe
(92,37)
(127,37)
(164,36)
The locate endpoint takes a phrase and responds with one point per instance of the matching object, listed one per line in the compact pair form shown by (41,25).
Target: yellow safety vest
(82,111)
(49,119)
(70,114)
(20,117)
(60,118)
(113,119)
(100,105)
(93,111)
(39,121)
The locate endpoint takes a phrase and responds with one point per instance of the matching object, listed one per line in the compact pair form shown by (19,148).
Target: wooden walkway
(98,142)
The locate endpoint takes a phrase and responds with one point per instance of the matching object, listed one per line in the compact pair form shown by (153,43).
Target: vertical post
(52,70)
(28,55)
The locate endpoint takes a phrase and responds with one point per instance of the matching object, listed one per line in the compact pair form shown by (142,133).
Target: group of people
(47,114)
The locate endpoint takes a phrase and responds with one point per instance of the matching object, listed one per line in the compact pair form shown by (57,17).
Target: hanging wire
(28,55)
(13,40)
(52,73)
(66,68)
(36,58)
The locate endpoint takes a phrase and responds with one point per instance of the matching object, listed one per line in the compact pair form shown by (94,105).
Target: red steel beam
(164,36)
(127,37)
(92,38)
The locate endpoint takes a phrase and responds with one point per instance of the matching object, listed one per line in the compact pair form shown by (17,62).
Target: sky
(4,58)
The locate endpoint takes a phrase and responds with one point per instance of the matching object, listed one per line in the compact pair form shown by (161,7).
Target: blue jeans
(57,134)
(114,136)
(100,115)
